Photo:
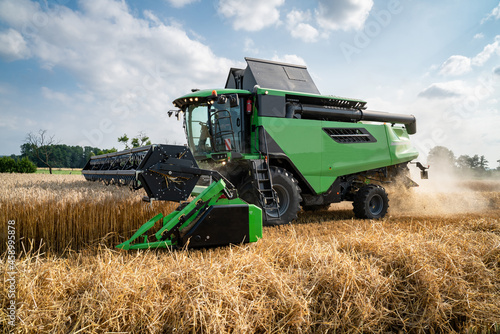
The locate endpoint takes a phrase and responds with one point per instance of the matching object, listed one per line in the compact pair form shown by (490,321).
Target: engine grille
(350,135)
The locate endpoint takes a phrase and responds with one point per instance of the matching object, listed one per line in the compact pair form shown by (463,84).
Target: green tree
(483,163)
(474,162)
(64,155)
(7,165)
(25,165)
(441,157)
(87,153)
(124,140)
(111,150)
(11,165)
(140,140)
(463,162)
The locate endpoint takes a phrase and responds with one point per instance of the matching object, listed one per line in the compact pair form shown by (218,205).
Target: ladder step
(262,183)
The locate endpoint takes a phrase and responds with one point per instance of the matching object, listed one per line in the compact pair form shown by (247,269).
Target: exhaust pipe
(351,115)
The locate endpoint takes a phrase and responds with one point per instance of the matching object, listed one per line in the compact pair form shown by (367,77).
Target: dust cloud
(444,193)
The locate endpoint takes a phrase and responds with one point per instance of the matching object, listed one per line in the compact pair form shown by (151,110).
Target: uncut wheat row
(66,212)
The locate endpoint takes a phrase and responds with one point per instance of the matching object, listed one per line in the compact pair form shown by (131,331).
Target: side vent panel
(350,135)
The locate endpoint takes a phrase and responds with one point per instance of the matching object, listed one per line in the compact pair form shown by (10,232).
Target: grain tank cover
(272,75)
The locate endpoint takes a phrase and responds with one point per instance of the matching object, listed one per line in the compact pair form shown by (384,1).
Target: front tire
(288,198)
(287,193)
(370,202)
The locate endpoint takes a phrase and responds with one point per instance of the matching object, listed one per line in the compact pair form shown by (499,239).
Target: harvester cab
(270,144)
(214,124)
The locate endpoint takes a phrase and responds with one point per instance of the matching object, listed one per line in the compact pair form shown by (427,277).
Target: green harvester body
(270,144)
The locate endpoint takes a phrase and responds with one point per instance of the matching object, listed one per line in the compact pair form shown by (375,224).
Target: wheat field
(66,212)
(432,265)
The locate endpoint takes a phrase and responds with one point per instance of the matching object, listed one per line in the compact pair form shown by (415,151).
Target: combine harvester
(271,144)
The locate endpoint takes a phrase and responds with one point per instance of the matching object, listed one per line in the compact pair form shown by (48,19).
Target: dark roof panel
(275,75)
(272,75)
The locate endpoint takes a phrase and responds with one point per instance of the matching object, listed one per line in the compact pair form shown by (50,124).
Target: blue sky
(89,71)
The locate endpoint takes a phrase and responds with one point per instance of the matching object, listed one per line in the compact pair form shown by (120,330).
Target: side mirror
(221,99)
(234,100)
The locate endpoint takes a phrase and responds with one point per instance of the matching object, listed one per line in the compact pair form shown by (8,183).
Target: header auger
(269,139)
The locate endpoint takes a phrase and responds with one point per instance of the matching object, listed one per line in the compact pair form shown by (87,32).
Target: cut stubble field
(432,265)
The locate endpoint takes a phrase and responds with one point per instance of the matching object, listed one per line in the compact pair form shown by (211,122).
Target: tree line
(53,156)
(441,157)
(41,150)
(15,165)
(59,155)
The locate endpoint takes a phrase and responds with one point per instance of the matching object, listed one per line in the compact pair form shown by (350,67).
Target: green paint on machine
(270,145)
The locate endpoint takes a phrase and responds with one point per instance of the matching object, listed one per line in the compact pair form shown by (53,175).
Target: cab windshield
(213,127)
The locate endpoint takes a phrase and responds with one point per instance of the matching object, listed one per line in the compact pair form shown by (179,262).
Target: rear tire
(370,202)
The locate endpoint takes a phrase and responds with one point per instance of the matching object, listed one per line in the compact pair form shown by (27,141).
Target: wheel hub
(283,201)
(376,205)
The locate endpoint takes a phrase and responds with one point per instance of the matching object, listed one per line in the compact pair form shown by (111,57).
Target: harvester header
(170,173)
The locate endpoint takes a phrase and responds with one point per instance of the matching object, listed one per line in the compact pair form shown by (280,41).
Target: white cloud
(21,13)
(449,114)
(250,46)
(494,14)
(50,94)
(343,14)
(329,15)
(128,69)
(290,59)
(456,65)
(468,93)
(13,46)
(481,58)
(298,28)
(479,36)
(251,15)
(180,3)
(106,46)
(444,90)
